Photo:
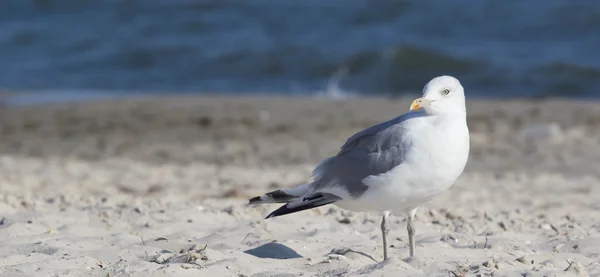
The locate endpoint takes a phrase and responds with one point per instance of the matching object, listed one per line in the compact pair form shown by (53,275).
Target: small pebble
(163,258)
(558,246)
(344,220)
(525,260)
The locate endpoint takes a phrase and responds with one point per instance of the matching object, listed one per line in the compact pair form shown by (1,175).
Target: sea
(68,49)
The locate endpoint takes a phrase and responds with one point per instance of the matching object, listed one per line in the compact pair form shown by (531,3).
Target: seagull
(392,167)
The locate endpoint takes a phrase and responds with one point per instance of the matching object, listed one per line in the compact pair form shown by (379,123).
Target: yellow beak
(419,103)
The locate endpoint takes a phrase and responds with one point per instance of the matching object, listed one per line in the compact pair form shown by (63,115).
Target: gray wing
(378,132)
(373,151)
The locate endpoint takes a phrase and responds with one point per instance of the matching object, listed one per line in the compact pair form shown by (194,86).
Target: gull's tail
(296,200)
(280,195)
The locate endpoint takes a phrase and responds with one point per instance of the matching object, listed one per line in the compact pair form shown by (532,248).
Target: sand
(158,187)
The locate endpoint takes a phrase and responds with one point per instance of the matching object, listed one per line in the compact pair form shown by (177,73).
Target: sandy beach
(158,187)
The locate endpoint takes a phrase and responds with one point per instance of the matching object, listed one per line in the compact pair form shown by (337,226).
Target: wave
(382,47)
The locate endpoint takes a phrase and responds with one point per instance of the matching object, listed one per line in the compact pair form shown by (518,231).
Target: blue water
(496,48)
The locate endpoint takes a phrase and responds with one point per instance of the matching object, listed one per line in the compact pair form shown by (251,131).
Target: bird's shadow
(273,250)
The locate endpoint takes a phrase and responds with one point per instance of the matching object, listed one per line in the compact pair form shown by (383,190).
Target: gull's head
(443,94)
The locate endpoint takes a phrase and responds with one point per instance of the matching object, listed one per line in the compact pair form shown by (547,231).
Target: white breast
(437,157)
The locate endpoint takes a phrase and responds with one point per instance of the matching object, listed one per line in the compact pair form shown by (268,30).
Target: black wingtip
(278,212)
(283,210)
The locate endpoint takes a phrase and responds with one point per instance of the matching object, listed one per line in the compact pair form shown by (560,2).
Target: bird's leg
(411,231)
(384,232)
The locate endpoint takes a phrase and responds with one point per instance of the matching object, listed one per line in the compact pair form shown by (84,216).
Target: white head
(441,95)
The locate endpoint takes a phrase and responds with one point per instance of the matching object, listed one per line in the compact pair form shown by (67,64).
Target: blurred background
(67,49)
(99,187)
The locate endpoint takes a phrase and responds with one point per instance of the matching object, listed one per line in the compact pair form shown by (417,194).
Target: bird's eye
(445,91)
